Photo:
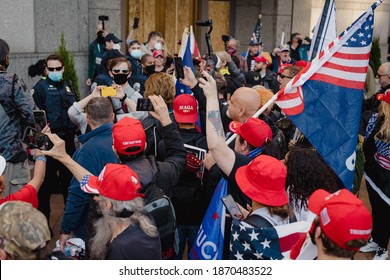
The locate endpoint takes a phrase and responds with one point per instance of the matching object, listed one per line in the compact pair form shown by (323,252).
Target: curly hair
(307,172)
(384,111)
(161,84)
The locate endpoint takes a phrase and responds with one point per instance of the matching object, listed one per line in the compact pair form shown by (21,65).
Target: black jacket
(167,171)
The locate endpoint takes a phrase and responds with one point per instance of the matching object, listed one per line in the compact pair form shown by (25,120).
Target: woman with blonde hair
(377,173)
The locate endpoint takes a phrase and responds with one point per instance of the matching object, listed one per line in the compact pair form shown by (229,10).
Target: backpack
(160,207)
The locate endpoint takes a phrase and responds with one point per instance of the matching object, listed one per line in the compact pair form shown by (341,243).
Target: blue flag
(324,100)
(185,54)
(208,244)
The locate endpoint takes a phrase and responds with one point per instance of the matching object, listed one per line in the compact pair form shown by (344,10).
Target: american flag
(271,243)
(383,148)
(85,187)
(324,100)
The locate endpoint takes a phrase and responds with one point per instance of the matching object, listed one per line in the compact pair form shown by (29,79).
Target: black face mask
(150,69)
(120,79)
(100,38)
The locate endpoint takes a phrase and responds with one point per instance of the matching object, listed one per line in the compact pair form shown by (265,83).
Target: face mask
(136,54)
(55,76)
(231,51)
(100,38)
(117,47)
(120,79)
(150,69)
(157,46)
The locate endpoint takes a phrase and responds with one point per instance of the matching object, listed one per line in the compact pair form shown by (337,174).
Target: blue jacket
(16,110)
(95,153)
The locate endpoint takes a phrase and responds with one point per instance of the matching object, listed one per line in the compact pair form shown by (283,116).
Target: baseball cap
(2,165)
(384,96)
(129,137)
(261,59)
(185,109)
(285,48)
(157,53)
(116,181)
(23,229)
(343,217)
(252,78)
(112,37)
(263,180)
(254,131)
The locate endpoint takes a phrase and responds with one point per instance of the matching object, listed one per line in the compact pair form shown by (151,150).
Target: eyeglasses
(284,76)
(123,71)
(51,69)
(379,75)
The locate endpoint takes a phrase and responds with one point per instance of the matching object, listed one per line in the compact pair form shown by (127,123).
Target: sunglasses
(284,76)
(118,71)
(51,69)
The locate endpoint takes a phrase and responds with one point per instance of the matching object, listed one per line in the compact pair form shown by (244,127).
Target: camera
(208,22)
(103,18)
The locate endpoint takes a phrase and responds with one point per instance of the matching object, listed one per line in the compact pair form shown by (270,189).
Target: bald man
(243,104)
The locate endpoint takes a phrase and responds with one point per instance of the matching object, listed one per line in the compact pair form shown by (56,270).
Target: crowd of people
(108,159)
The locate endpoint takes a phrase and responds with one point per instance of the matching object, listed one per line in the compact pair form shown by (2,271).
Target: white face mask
(136,54)
(218,65)
(157,46)
(117,47)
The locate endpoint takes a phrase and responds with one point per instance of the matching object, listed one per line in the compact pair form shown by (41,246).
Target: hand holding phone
(178,67)
(36,140)
(144,104)
(108,91)
(232,207)
(40,120)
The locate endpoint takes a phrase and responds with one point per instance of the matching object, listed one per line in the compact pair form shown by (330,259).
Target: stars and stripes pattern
(382,154)
(343,63)
(85,187)
(324,100)
(271,243)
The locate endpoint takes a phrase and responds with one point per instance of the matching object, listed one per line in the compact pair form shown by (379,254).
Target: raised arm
(222,154)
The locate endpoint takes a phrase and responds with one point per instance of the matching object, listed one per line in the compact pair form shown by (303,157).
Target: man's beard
(103,234)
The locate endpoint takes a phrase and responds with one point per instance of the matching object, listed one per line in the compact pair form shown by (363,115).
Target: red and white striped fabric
(343,63)
(194,47)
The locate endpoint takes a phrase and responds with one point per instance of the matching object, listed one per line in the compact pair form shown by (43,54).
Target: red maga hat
(254,131)
(343,217)
(128,136)
(116,181)
(185,109)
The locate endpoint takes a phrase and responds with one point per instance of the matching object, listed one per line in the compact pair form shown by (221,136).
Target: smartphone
(40,120)
(108,91)
(232,207)
(135,23)
(36,140)
(177,60)
(144,104)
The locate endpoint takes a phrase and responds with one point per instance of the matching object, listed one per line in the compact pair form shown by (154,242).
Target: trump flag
(208,244)
(324,100)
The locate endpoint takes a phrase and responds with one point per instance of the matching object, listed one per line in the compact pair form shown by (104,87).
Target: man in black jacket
(130,142)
